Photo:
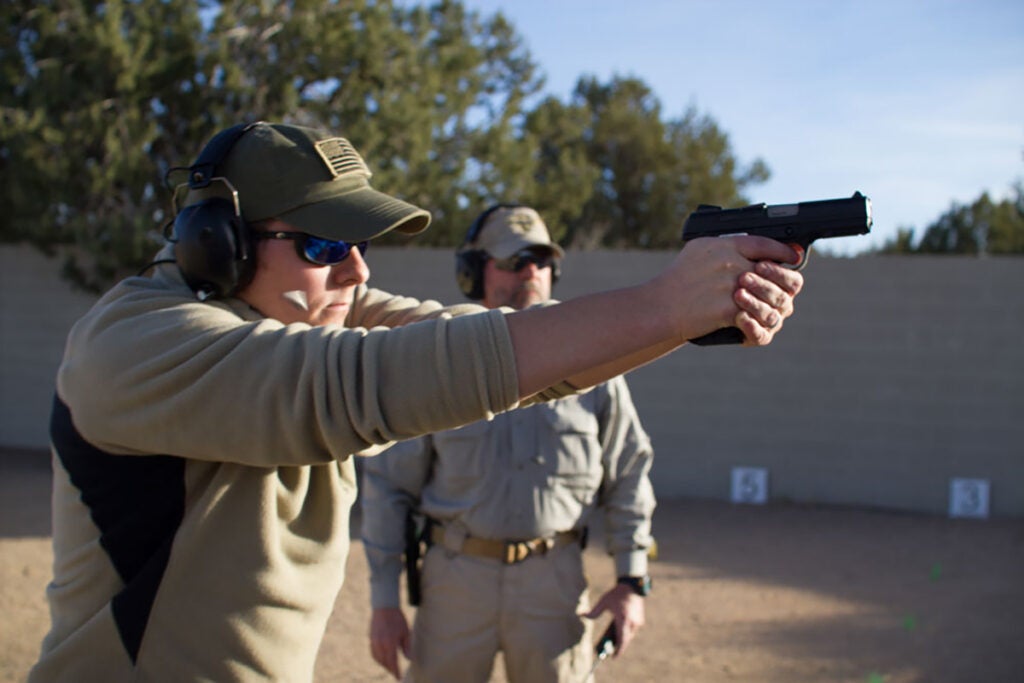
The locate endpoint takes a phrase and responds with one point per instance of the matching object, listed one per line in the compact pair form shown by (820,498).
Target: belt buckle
(516,551)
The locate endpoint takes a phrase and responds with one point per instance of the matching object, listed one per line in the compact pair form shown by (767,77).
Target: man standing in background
(507,504)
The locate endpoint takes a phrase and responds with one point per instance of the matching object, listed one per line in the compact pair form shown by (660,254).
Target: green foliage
(82,122)
(605,169)
(983,227)
(903,243)
(103,98)
(564,177)
(648,174)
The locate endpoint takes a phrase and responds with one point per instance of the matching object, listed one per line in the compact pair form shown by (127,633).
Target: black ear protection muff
(212,246)
(469,262)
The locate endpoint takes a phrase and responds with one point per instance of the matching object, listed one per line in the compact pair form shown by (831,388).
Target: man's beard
(527,295)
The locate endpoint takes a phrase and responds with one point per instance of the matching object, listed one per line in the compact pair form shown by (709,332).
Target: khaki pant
(530,611)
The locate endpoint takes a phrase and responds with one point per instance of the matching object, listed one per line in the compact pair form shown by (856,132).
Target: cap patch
(520,222)
(341,157)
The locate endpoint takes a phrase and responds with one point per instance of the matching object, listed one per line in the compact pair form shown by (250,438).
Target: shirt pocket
(463,456)
(574,454)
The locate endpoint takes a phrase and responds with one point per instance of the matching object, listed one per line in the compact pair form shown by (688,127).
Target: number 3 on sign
(968,498)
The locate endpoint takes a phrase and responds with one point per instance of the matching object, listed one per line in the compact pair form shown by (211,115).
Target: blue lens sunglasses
(316,250)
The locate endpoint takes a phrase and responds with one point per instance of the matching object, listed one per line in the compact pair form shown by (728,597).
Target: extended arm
(712,283)
(328,392)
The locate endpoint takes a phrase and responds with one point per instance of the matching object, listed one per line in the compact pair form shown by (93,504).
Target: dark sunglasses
(316,250)
(516,262)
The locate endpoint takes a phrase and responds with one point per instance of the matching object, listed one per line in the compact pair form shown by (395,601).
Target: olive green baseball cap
(314,181)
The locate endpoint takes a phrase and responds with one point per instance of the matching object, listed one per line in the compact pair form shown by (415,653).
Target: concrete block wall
(37,309)
(896,375)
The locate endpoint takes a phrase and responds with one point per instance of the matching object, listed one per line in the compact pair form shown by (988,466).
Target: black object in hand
(606,645)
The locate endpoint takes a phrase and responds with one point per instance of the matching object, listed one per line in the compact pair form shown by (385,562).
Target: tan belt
(508,552)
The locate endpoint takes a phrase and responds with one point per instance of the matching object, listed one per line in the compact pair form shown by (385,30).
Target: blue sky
(917,104)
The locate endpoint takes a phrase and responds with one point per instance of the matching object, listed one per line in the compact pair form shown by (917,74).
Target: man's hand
(627,610)
(765,297)
(389,631)
(730,281)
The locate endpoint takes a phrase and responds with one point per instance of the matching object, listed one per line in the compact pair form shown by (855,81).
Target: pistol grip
(733,335)
(725,335)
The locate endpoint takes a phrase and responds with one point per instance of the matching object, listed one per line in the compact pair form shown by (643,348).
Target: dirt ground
(773,594)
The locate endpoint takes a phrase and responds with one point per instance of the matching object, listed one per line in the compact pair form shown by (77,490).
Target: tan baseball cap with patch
(509,230)
(313,180)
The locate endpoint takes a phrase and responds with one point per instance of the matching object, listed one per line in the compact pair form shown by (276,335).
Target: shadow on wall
(25,482)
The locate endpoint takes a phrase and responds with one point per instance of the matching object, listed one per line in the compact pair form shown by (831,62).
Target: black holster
(415,533)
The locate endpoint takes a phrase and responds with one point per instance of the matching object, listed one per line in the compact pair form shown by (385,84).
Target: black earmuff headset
(212,246)
(469,262)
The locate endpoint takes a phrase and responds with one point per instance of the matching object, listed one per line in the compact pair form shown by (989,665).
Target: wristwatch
(641,585)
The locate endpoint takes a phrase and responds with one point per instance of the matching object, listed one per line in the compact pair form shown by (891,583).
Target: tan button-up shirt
(525,474)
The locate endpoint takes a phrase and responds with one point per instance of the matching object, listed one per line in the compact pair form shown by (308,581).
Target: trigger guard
(805,253)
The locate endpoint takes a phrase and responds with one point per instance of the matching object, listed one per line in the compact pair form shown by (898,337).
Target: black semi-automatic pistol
(798,224)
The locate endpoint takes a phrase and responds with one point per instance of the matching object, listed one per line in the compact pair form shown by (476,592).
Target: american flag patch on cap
(341,157)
